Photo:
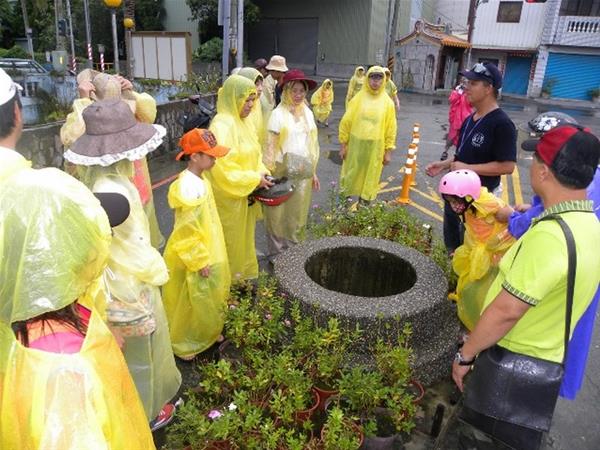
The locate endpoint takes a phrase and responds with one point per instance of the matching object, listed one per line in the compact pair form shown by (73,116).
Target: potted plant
(340,433)
(595,94)
(548,86)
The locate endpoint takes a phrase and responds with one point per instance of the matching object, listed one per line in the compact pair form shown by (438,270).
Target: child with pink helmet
(486,240)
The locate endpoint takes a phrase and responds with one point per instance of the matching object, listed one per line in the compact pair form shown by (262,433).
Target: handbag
(511,396)
(131,319)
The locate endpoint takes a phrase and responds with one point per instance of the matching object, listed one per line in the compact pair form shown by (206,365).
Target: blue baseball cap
(484,72)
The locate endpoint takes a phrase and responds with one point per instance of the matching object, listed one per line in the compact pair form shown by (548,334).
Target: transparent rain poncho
(195,305)
(54,243)
(236,175)
(256,116)
(368,127)
(356,83)
(11,162)
(135,272)
(145,112)
(321,101)
(292,151)
(476,261)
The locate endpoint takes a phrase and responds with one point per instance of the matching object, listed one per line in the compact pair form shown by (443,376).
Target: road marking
(516,179)
(426,211)
(504,182)
(392,189)
(164,181)
(435,200)
(432,142)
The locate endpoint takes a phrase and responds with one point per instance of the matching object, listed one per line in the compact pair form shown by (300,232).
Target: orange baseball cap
(200,140)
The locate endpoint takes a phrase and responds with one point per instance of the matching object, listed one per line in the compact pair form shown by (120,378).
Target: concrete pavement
(575,422)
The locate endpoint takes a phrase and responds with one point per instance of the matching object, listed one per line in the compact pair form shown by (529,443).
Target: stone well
(379,285)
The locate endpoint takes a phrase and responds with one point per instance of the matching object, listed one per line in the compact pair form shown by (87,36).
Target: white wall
(526,34)
(455,13)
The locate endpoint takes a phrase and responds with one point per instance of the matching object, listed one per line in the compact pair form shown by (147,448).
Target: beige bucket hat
(112,134)
(277,63)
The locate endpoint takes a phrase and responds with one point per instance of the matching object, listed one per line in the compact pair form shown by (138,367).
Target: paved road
(576,423)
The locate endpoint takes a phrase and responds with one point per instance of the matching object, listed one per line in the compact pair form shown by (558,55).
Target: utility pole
(61,40)
(240,34)
(392,38)
(225,21)
(27,29)
(88,34)
(70,18)
(471,20)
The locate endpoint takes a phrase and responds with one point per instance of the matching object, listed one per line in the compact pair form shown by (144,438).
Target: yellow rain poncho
(476,261)
(368,127)
(10,162)
(292,152)
(355,84)
(145,111)
(195,305)
(135,272)
(390,86)
(54,243)
(236,175)
(256,116)
(321,101)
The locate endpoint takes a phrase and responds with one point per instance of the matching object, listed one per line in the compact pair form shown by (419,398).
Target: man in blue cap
(487,142)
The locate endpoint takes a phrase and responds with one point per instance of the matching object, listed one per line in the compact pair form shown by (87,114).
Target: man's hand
(264,181)
(457,165)
(85,88)
(124,82)
(205,272)
(458,374)
(522,208)
(433,169)
(387,157)
(343,151)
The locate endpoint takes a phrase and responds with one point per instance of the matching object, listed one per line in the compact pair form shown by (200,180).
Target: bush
(14,52)
(210,50)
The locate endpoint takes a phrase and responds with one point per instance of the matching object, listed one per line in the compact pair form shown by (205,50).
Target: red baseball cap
(200,140)
(551,143)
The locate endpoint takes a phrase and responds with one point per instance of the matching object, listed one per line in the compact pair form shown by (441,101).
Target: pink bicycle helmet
(461,183)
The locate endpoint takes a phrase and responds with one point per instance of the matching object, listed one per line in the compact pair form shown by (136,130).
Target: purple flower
(268,316)
(332,183)
(287,323)
(315,206)
(214,414)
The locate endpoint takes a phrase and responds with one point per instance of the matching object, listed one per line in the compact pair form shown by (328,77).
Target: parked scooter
(200,117)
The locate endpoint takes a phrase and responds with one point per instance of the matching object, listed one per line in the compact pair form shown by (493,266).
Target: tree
(206,12)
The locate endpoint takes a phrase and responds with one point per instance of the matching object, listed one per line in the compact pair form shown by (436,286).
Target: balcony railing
(578,31)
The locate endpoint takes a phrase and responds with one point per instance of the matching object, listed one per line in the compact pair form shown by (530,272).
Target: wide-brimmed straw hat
(298,75)
(107,87)
(112,134)
(277,63)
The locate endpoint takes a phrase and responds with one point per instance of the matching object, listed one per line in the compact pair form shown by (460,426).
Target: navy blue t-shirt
(491,138)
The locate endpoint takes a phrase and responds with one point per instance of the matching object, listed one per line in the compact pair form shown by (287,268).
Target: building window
(509,12)
(580,8)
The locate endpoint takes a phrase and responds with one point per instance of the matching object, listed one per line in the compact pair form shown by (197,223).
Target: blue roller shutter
(575,75)
(516,76)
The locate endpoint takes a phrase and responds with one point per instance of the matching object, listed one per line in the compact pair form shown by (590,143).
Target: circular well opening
(360,271)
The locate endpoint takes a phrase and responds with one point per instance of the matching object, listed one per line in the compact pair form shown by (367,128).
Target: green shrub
(210,50)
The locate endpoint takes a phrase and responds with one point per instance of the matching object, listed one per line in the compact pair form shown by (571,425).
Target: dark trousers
(453,229)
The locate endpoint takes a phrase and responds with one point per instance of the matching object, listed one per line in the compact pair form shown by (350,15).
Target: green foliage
(378,220)
(210,50)
(206,11)
(51,109)
(339,432)
(594,93)
(14,52)
(149,15)
(549,85)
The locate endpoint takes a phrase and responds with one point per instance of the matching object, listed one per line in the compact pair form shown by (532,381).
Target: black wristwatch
(460,359)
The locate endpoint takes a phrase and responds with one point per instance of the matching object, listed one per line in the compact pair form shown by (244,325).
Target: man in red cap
(524,310)
(196,293)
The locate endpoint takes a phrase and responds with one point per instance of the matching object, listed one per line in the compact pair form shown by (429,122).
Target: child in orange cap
(196,293)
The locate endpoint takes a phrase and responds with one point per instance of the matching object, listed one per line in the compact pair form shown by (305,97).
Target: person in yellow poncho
(236,175)
(355,84)
(321,102)
(93,86)
(390,88)
(11,127)
(486,240)
(64,384)
(135,268)
(196,294)
(257,115)
(292,152)
(367,136)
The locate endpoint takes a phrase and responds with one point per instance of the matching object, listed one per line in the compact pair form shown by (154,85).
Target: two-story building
(568,63)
